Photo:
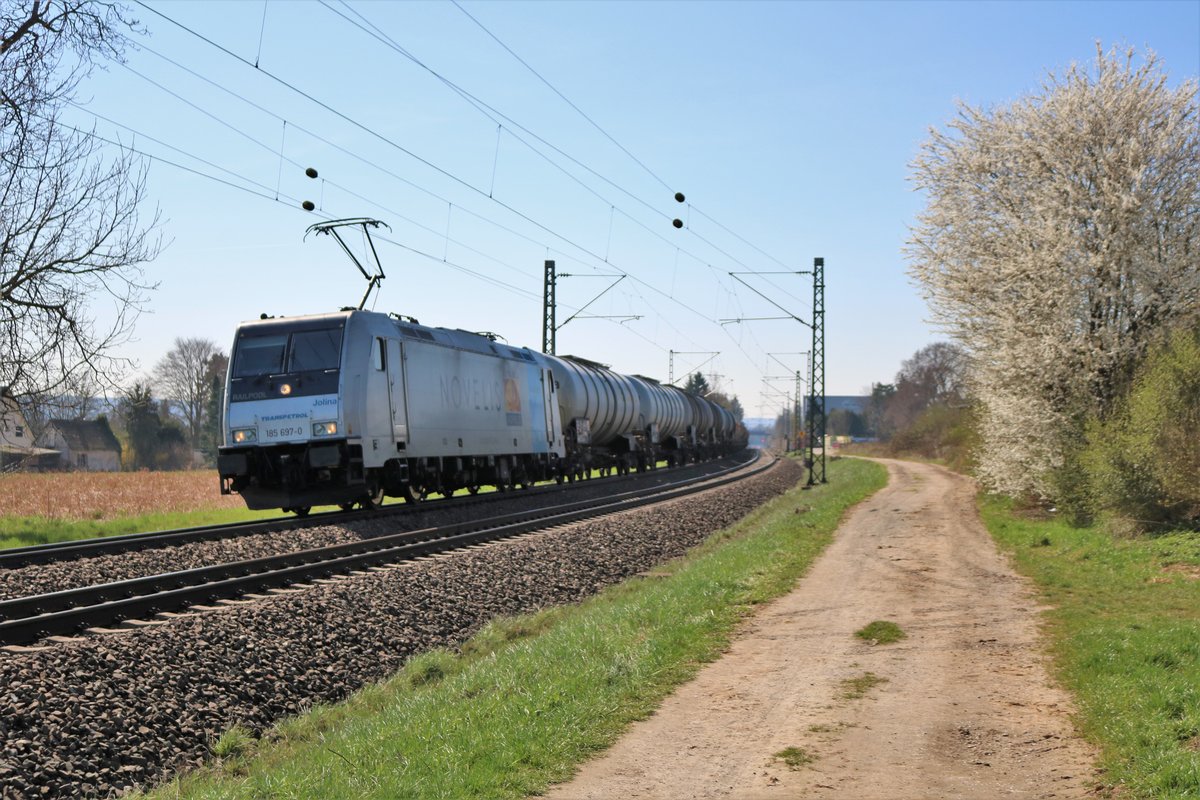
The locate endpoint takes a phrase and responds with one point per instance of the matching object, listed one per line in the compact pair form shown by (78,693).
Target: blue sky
(788,124)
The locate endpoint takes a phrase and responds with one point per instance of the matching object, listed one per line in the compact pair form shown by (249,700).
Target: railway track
(29,619)
(17,557)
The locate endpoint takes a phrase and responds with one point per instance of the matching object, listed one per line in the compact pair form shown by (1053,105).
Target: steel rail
(28,619)
(16,557)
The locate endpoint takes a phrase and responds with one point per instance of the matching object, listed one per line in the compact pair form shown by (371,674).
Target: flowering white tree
(1060,239)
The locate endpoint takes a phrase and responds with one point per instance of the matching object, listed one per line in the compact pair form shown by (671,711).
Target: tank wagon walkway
(961,708)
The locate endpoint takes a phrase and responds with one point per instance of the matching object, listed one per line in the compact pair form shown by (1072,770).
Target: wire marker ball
(308,205)
(679,198)
(312,173)
(678,223)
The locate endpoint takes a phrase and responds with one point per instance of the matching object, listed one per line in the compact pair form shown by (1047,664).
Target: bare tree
(73,398)
(934,375)
(1060,239)
(184,376)
(70,232)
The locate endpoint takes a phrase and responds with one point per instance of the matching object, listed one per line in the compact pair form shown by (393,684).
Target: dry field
(110,495)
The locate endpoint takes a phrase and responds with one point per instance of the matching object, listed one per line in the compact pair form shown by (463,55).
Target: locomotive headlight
(324,429)
(285,389)
(244,435)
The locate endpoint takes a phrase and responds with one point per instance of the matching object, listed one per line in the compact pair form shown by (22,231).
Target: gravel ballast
(102,716)
(53,577)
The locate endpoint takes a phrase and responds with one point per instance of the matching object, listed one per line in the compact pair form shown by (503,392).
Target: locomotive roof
(410,329)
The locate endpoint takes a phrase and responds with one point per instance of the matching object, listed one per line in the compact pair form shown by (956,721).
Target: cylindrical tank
(660,405)
(702,416)
(725,423)
(606,399)
(680,411)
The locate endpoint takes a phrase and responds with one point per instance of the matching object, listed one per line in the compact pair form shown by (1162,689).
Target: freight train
(349,407)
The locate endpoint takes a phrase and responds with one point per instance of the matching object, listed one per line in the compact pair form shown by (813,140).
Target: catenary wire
(418,158)
(386,140)
(605,133)
(554,89)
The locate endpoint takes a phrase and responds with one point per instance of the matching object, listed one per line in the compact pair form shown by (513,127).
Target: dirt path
(965,708)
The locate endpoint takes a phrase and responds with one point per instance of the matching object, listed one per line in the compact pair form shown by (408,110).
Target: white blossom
(1060,238)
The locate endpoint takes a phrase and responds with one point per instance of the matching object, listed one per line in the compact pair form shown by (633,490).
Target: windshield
(312,350)
(259,355)
(302,351)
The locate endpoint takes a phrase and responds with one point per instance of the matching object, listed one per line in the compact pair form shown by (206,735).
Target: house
(84,444)
(17,449)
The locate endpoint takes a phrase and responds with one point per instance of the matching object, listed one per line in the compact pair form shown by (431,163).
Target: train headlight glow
(285,389)
(244,435)
(324,429)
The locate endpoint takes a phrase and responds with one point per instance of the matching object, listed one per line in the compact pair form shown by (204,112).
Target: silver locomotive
(348,407)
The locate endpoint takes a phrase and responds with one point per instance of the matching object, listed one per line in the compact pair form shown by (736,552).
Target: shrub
(940,432)
(1142,464)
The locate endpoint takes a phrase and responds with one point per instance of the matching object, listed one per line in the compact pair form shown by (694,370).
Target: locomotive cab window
(259,355)
(315,350)
(274,363)
(378,355)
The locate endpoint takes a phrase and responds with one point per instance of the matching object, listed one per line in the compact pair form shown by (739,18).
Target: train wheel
(473,489)
(411,495)
(346,506)
(300,511)
(373,498)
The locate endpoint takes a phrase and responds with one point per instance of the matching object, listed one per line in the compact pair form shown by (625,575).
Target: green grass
(233,742)
(1125,627)
(24,531)
(881,632)
(857,688)
(795,757)
(527,700)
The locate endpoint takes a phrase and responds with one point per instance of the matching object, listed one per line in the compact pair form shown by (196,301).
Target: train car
(348,407)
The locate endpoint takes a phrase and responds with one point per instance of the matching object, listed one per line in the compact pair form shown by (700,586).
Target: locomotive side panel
(465,403)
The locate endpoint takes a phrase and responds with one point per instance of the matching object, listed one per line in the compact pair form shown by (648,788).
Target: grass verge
(527,700)
(1125,627)
(24,531)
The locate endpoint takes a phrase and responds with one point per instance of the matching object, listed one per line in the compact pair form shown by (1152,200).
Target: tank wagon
(345,408)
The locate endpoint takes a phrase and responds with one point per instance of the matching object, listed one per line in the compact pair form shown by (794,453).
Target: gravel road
(962,708)
(101,716)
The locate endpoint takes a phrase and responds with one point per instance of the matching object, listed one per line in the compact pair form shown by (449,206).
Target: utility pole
(816,384)
(548,327)
(671,360)
(816,387)
(796,424)
(549,304)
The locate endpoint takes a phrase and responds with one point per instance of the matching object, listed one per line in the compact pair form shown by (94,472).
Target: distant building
(83,444)
(760,440)
(17,450)
(858,403)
